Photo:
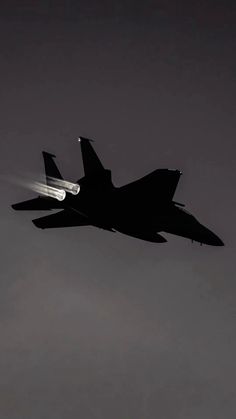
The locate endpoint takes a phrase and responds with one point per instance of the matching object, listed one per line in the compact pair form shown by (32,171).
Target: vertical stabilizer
(51,169)
(91,162)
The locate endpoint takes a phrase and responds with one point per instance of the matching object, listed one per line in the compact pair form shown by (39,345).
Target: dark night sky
(96,325)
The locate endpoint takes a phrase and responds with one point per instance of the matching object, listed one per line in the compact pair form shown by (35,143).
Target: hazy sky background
(96,325)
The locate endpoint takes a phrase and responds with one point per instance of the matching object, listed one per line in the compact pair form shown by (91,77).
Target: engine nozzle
(48,190)
(70,187)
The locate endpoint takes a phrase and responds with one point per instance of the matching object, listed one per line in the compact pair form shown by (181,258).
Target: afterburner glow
(50,191)
(69,187)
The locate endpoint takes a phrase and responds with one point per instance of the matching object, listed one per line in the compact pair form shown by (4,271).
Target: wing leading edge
(161,183)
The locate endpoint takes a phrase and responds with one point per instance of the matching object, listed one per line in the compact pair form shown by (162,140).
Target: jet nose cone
(217,241)
(212,239)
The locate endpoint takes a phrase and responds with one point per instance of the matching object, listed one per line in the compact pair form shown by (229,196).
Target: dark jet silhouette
(140,209)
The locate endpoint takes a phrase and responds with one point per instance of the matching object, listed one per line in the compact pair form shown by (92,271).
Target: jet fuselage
(106,209)
(141,209)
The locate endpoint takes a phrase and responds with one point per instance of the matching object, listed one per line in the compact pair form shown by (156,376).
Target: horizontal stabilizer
(65,218)
(36,204)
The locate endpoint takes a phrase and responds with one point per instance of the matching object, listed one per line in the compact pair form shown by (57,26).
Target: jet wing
(159,185)
(36,204)
(65,218)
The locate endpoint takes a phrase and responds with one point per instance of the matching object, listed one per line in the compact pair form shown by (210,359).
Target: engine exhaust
(69,187)
(49,191)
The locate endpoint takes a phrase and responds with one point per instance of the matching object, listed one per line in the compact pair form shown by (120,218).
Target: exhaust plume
(46,190)
(69,187)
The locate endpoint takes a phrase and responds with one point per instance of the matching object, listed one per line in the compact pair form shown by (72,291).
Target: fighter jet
(142,209)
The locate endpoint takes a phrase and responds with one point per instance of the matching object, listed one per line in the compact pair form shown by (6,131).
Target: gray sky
(98,325)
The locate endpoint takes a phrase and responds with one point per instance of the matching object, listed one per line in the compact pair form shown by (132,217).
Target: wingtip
(37,223)
(45,153)
(83,139)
